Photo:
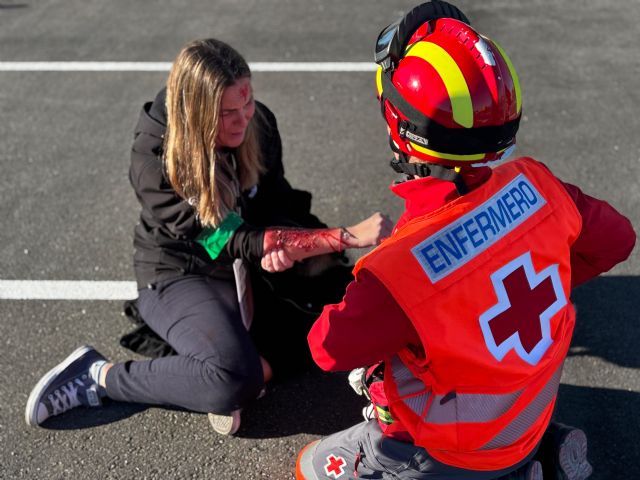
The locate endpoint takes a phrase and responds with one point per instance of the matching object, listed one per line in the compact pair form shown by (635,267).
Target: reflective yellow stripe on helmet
(448,156)
(379,81)
(514,76)
(451,76)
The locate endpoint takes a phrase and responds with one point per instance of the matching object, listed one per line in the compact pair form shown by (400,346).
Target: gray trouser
(217,368)
(365,451)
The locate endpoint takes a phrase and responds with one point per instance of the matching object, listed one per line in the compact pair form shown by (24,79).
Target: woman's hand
(369,232)
(276,261)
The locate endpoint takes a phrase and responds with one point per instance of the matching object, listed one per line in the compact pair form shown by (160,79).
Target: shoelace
(65,397)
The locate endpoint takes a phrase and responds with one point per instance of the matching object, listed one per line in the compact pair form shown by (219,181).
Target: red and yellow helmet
(450,96)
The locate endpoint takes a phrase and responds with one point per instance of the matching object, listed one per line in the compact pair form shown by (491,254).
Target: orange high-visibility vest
(485,281)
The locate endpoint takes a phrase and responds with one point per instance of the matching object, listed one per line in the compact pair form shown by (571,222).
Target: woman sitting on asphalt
(207,171)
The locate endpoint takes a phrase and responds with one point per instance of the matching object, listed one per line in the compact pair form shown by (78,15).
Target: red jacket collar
(424,195)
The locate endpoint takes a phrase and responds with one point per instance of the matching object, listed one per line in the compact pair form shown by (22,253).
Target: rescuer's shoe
(225,424)
(564,453)
(66,386)
(304,462)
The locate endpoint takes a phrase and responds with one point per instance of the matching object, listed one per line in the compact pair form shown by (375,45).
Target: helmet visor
(385,43)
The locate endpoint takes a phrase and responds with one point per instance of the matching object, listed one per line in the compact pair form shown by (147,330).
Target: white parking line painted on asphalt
(66,290)
(165,66)
(312,66)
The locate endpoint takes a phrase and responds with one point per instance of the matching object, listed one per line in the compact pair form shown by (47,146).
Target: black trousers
(217,367)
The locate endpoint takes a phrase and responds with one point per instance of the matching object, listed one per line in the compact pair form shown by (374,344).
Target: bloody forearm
(301,243)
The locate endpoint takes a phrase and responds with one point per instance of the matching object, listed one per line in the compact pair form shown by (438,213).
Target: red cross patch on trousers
(527,300)
(334,466)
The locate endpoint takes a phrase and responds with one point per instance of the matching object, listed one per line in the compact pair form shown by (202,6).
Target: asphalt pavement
(68,212)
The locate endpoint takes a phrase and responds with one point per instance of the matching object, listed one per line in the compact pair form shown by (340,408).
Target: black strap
(423,13)
(421,169)
(407,26)
(427,132)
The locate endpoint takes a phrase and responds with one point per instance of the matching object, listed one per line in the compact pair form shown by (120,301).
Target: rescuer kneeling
(468,302)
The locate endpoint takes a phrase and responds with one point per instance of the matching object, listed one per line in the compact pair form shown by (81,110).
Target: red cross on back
(526,302)
(523,316)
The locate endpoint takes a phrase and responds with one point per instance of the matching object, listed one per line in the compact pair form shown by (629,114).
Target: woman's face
(236,110)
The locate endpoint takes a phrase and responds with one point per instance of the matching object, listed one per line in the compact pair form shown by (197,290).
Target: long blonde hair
(197,171)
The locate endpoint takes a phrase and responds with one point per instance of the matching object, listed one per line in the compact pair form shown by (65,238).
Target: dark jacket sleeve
(246,243)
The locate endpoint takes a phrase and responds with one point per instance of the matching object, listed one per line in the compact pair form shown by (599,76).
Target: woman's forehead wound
(245,91)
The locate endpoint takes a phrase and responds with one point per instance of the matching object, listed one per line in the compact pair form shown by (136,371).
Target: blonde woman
(207,170)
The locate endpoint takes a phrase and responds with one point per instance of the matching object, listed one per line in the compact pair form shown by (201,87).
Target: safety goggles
(387,52)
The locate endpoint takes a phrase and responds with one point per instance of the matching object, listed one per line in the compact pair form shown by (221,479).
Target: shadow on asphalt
(607,322)
(316,403)
(82,418)
(609,417)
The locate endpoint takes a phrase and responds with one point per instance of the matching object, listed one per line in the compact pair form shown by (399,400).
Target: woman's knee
(231,389)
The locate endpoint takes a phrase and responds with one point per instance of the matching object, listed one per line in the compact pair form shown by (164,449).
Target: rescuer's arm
(606,239)
(366,327)
(283,246)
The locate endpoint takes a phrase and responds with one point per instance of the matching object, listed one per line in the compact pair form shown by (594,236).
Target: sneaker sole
(31,412)
(572,457)
(225,424)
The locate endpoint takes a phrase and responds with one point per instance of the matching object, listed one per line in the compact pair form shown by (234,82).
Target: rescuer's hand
(369,232)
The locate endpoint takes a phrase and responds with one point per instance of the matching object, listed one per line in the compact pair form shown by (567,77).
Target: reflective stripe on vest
(469,407)
(472,407)
(408,384)
(519,425)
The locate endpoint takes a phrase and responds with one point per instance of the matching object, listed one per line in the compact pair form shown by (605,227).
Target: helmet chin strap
(423,169)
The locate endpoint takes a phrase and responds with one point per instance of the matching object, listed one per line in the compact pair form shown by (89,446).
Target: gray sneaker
(225,424)
(66,386)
